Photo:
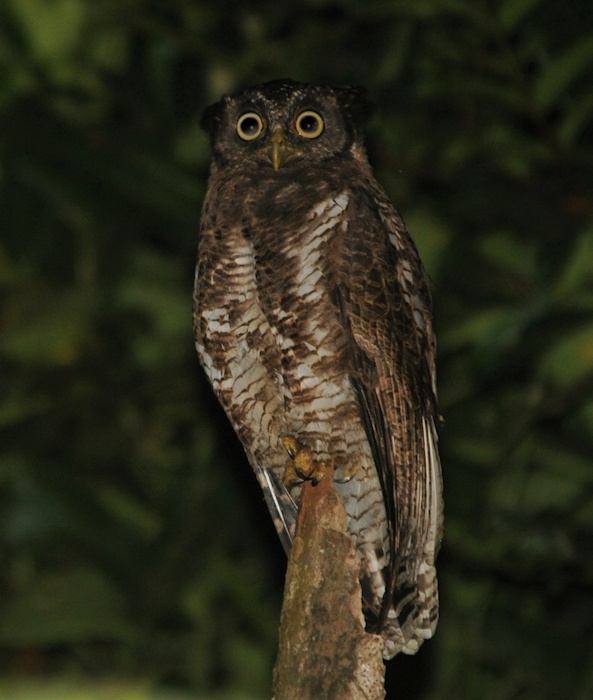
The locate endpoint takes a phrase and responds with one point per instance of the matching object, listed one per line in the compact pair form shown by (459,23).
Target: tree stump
(324,650)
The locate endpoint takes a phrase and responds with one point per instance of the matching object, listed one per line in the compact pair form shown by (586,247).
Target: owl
(313,324)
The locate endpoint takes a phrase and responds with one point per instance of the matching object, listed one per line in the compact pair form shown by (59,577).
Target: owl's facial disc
(279,141)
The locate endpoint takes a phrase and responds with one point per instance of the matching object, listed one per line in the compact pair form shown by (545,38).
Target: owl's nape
(313,324)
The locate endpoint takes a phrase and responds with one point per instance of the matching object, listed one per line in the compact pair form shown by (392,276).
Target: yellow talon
(304,463)
(301,464)
(290,445)
(290,477)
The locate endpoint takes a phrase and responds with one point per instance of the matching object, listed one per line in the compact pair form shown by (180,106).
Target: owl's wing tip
(280,504)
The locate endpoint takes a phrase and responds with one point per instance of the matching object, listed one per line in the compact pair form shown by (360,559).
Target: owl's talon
(302,466)
(290,476)
(290,445)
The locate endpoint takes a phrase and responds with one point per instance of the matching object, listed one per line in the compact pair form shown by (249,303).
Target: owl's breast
(282,199)
(295,252)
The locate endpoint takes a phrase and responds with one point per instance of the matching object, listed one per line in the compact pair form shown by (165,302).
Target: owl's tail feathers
(414,618)
(414,611)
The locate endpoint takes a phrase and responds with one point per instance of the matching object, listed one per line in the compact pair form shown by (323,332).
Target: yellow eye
(309,124)
(250,126)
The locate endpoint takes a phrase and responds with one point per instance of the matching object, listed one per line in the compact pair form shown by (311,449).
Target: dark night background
(137,557)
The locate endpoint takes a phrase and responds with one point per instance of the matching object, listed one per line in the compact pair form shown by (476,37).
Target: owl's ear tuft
(212,117)
(355,102)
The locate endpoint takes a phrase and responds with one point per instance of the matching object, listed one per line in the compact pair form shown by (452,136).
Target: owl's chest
(264,200)
(290,231)
(283,255)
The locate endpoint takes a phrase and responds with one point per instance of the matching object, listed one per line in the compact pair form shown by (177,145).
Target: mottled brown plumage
(313,323)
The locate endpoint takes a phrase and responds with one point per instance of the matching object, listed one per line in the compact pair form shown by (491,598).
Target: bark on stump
(324,652)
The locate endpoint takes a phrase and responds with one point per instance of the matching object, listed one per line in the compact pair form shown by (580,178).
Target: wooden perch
(324,651)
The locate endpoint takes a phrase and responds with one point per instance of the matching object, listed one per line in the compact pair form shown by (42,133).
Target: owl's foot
(302,465)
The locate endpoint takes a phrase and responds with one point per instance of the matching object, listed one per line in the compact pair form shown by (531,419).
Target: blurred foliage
(134,541)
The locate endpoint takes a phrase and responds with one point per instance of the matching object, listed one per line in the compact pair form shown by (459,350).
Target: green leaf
(569,360)
(44,328)
(562,71)
(475,327)
(577,274)
(513,12)
(576,120)
(431,237)
(510,254)
(53,28)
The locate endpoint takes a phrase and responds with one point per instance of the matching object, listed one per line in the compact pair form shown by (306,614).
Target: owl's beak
(280,151)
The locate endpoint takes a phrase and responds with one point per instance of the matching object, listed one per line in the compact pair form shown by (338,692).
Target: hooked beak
(280,151)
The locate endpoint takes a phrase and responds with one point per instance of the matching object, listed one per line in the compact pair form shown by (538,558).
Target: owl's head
(282,123)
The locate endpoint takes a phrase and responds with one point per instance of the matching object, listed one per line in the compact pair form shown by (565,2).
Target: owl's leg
(301,464)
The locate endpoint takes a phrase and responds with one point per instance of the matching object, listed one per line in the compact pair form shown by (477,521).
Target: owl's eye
(250,126)
(309,124)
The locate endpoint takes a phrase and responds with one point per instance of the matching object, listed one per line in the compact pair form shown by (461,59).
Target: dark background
(136,551)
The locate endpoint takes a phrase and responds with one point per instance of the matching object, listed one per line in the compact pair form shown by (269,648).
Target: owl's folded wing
(385,306)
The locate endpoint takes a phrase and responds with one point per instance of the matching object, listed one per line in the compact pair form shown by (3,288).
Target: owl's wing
(385,305)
